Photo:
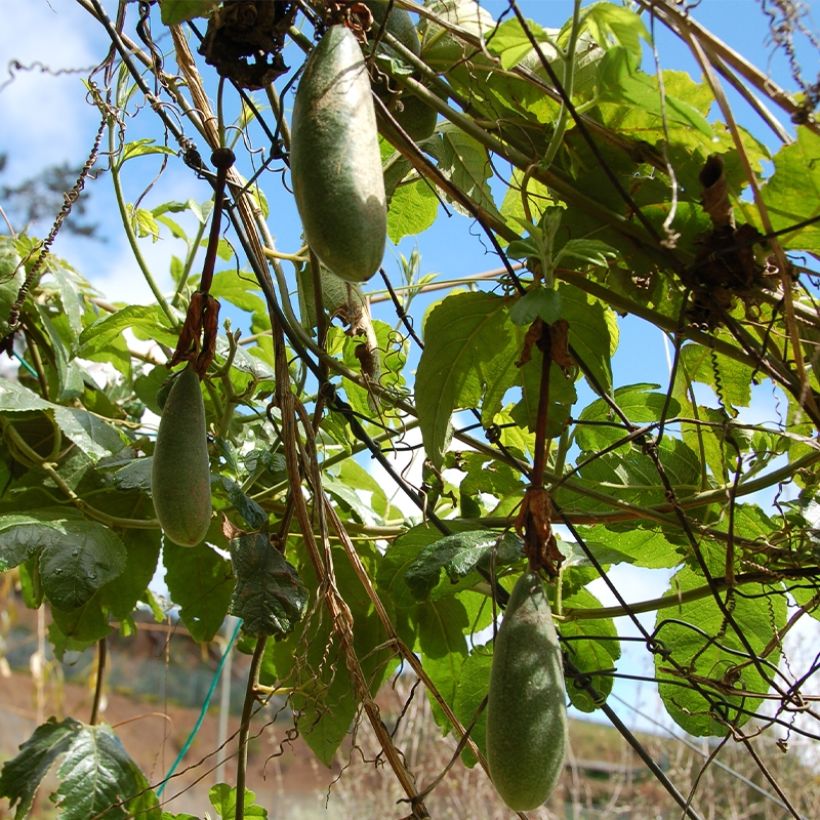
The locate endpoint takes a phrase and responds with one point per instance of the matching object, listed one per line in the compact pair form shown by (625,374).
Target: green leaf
(135,475)
(97,776)
(471,695)
(77,629)
(592,646)
(173,12)
(537,303)
(639,546)
(460,555)
(120,596)
(608,24)
(633,477)
(598,427)
(439,48)
(201,582)
(74,565)
(77,557)
(589,251)
(240,289)
(12,275)
(466,163)
(311,659)
(792,189)
(223,799)
(146,146)
(707,672)
(729,379)
(148,319)
(22,536)
(400,556)
(485,476)
(21,776)
(441,628)
(413,209)
(468,349)
(511,43)
(254,516)
(621,81)
(269,597)
(78,424)
(69,287)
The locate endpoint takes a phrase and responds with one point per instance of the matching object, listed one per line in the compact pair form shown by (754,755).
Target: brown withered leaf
(534,525)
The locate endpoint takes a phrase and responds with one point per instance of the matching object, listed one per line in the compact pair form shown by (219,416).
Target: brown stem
(319,553)
(245,726)
(102,652)
(540,460)
(223,159)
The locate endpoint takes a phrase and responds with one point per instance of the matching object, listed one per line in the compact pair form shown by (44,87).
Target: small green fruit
(526,707)
(416,117)
(181,477)
(399,24)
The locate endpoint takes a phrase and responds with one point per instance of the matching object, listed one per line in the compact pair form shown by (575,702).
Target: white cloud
(120,278)
(45,117)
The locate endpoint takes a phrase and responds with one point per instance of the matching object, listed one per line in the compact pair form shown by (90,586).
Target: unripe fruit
(335,160)
(413,114)
(181,476)
(526,706)
(399,24)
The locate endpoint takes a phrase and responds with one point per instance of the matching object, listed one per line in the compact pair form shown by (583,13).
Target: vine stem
(102,653)
(82,505)
(245,726)
(569,86)
(114,167)
(321,558)
(675,599)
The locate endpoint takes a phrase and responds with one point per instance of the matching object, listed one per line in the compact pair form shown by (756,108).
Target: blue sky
(45,120)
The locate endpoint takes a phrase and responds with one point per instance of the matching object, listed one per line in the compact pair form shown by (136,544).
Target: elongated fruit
(526,707)
(335,160)
(180,480)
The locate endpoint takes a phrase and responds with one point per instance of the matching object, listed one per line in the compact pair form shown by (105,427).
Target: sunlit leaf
(706,680)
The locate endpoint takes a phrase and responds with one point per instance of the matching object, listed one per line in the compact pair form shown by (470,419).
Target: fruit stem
(223,159)
(544,344)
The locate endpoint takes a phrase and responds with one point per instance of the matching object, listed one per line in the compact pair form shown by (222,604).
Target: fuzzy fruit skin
(526,707)
(416,117)
(399,24)
(335,161)
(181,476)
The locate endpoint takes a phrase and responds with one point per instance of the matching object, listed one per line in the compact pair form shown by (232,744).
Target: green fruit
(335,160)
(399,24)
(181,476)
(416,117)
(526,706)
